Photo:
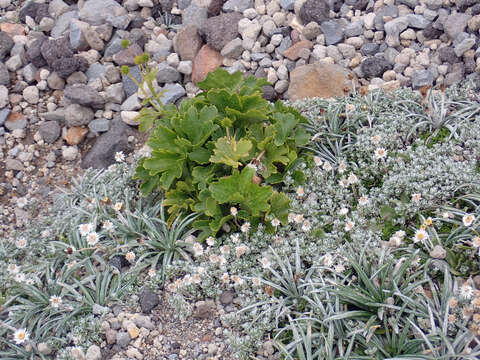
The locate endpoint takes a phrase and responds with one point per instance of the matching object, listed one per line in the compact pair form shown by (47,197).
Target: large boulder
(319,80)
(207,60)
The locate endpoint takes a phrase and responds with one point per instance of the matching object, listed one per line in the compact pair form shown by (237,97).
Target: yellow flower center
(21,336)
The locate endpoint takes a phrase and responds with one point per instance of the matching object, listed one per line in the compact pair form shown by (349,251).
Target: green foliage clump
(223,148)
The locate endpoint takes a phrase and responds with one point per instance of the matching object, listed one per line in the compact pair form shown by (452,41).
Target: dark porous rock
(4,75)
(470,65)
(361,5)
(35,10)
(369,49)
(84,95)
(148,300)
(476,9)
(374,66)
(6,44)
(136,23)
(102,153)
(269,93)
(314,10)
(220,30)
(226,297)
(215,7)
(34,52)
(56,49)
(65,67)
(50,131)
(447,54)
(204,309)
(167,5)
(463,5)
(187,43)
(431,32)
(119,262)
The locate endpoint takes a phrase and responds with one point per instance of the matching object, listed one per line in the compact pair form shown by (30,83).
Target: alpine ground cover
(377,258)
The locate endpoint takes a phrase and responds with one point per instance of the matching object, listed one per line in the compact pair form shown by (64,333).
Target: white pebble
(69,153)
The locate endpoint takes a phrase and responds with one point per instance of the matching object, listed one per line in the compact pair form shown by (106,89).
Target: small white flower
(416,197)
(265,262)
(197,249)
(55,301)
(343,182)
(92,238)
(237,280)
(119,156)
(13,269)
(376,139)
(197,279)
(395,241)
(317,161)
(29,281)
(45,233)
(275,222)
(340,268)
(342,168)
(226,278)
(299,218)
(130,256)
(363,200)
(225,250)
(380,153)
(20,336)
(306,226)
(327,260)
(221,260)
(240,250)
(108,225)
(85,229)
(22,202)
(21,243)
(349,225)
(187,280)
(118,206)
(466,291)
(400,233)
(152,272)
(300,191)
(201,270)
(190,239)
(20,277)
(233,211)
(446,215)
(420,236)
(256,281)
(235,238)
(291,217)
(468,219)
(327,166)
(343,211)
(476,241)
(210,241)
(213,258)
(352,179)
(245,227)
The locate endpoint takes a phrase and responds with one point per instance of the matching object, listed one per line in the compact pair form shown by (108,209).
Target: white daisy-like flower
(300,191)
(20,277)
(306,226)
(245,227)
(343,182)
(340,268)
(221,260)
(327,166)
(225,250)
(22,202)
(466,291)
(201,270)
(363,200)
(21,243)
(446,215)
(13,269)
(420,236)
(55,301)
(299,218)
(400,233)
(237,280)
(233,211)
(45,233)
(380,153)
(108,225)
(241,250)
(152,272)
(179,283)
(118,206)
(342,168)
(187,280)
(343,211)
(85,229)
(416,197)
(265,262)
(327,260)
(172,287)
(256,281)
(130,256)
(349,225)
(197,249)
(197,279)
(291,217)
(476,241)
(92,238)
(352,179)
(29,281)
(376,139)
(213,258)
(210,241)
(395,241)
(20,336)
(226,278)
(468,219)
(317,161)
(275,222)
(119,156)
(235,238)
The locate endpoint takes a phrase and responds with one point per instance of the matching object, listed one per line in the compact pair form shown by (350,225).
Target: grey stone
(172,92)
(237,5)
(3,96)
(167,73)
(422,78)
(374,66)
(55,82)
(333,32)
(143,321)
(77,115)
(434,4)
(57,8)
(54,49)
(185,67)
(57,115)
(132,103)
(410,3)
(287,4)
(233,49)
(30,73)
(62,24)
(33,9)
(464,45)
(438,252)
(354,29)
(95,71)
(393,29)
(390,54)
(148,300)
(456,74)
(13,164)
(369,49)
(447,54)
(20,123)
(462,5)
(99,310)
(226,297)
(96,12)
(311,30)
(195,15)
(128,84)
(220,30)
(6,44)
(3,115)
(115,93)
(14,63)
(119,22)
(44,348)
(417,21)
(4,75)
(84,95)
(99,125)
(314,10)
(102,153)
(123,338)
(455,24)
(93,353)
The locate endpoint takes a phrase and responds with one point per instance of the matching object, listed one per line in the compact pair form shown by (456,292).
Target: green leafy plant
(224,148)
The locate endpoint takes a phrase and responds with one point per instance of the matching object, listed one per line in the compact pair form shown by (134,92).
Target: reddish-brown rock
(14,117)
(320,80)
(12,29)
(293,52)
(187,43)
(207,60)
(75,135)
